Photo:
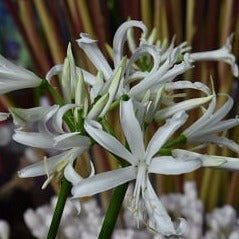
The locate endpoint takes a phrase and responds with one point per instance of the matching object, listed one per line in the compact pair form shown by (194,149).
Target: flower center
(140,186)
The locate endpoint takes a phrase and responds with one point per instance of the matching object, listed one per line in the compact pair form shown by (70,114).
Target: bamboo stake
(146,13)
(27,18)
(85,16)
(49,27)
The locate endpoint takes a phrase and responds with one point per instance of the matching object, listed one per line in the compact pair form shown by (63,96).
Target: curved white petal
(56,69)
(58,117)
(103,181)
(222,54)
(219,127)
(13,77)
(222,112)
(71,175)
(109,142)
(167,165)
(152,79)
(158,218)
(177,70)
(181,106)
(141,51)
(4,116)
(38,140)
(88,77)
(71,140)
(91,49)
(132,129)
(21,117)
(187,85)
(206,160)
(164,133)
(202,121)
(121,36)
(50,164)
(221,141)
(230,164)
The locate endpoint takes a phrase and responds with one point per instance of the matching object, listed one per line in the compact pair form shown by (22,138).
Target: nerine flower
(222,54)
(142,162)
(204,129)
(13,77)
(71,143)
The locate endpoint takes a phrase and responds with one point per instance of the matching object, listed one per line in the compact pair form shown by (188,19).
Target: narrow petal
(219,127)
(182,106)
(206,160)
(187,85)
(91,49)
(202,121)
(230,164)
(109,142)
(100,182)
(38,140)
(58,117)
(13,77)
(22,117)
(71,140)
(164,133)
(4,116)
(167,165)
(221,141)
(88,77)
(132,129)
(121,36)
(222,54)
(71,175)
(158,218)
(222,112)
(50,164)
(141,51)
(56,69)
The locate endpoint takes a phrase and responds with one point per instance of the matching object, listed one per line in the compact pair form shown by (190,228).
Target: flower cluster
(142,86)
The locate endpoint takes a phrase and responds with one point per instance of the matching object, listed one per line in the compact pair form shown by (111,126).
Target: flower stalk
(61,201)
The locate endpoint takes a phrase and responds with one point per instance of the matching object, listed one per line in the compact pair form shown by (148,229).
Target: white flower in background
(222,54)
(204,129)
(4,230)
(13,77)
(221,223)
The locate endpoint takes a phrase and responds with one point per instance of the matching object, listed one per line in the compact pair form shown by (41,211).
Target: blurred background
(35,34)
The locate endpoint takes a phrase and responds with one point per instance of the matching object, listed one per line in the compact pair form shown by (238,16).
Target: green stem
(56,96)
(56,219)
(113,211)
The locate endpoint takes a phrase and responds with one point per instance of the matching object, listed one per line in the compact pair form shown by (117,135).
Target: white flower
(4,230)
(4,116)
(142,162)
(14,77)
(203,130)
(57,137)
(222,54)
